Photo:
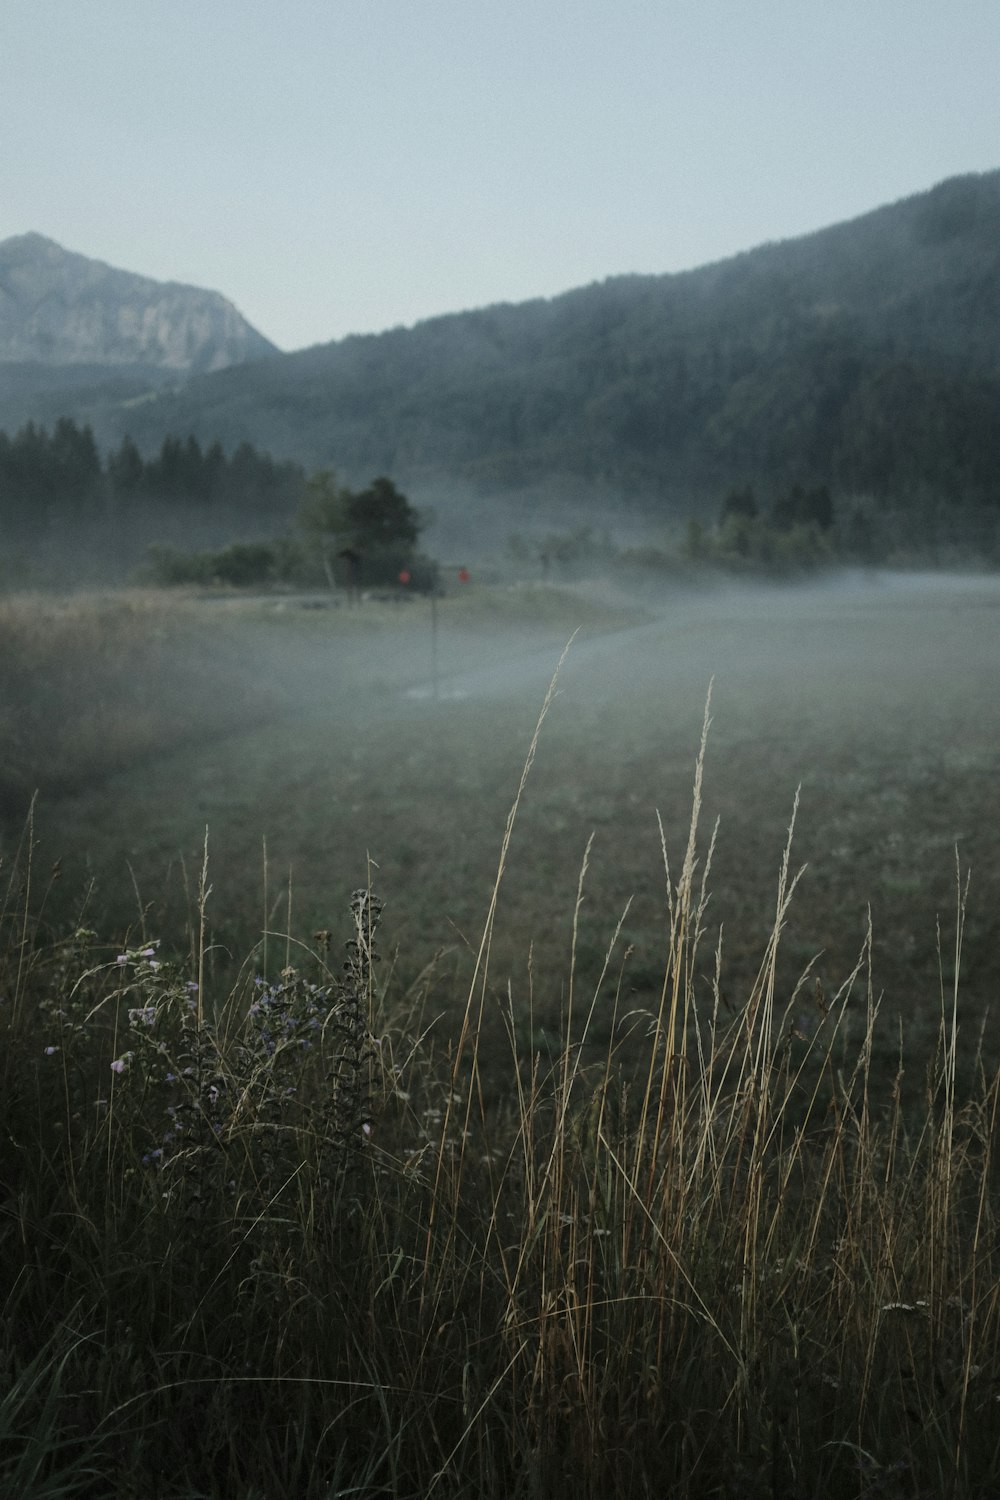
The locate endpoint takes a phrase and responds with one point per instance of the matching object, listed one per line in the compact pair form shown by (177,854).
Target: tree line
(284,526)
(803,527)
(53,476)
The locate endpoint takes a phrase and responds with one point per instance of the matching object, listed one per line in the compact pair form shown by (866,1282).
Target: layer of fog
(318,729)
(848,628)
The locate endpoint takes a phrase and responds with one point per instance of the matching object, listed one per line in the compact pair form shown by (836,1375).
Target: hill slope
(865,356)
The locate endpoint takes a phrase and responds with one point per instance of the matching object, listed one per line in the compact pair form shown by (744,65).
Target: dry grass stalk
(734,1268)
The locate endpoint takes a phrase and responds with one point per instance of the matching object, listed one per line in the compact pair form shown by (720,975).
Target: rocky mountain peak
(60,308)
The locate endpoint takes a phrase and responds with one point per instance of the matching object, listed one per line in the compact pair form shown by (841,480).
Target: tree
(380,517)
(383,532)
(126,471)
(739,503)
(367,538)
(801,507)
(74,460)
(324,518)
(246,563)
(695,543)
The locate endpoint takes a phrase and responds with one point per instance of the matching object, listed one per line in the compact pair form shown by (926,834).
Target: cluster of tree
(58,476)
(352,540)
(795,532)
(579,552)
(797,507)
(360,539)
(240,565)
(41,472)
(802,528)
(182,471)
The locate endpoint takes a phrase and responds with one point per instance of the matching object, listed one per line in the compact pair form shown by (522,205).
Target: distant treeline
(48,477)
(800,527)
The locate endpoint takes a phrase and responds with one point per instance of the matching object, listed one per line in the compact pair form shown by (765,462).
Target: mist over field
(319,738)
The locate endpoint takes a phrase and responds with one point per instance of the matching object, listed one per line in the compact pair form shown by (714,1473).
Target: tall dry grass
(295,1242)
(91,683)
(95,682)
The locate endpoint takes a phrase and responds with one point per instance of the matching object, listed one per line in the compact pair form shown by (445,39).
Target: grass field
(294,727)
(671,1186)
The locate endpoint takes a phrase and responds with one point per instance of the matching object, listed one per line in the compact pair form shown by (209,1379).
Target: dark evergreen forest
(58,478)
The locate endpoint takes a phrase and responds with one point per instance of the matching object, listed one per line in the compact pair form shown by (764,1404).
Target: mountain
(864,357)
(61,309)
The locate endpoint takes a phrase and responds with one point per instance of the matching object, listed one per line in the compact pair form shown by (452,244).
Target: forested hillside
(865,357)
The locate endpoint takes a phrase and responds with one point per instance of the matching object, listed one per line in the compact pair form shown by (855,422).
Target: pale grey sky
(339,166)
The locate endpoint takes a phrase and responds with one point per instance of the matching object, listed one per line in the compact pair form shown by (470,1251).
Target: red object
(463,575)
(404,576)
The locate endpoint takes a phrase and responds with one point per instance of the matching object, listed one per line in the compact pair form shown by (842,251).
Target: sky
(346,166)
